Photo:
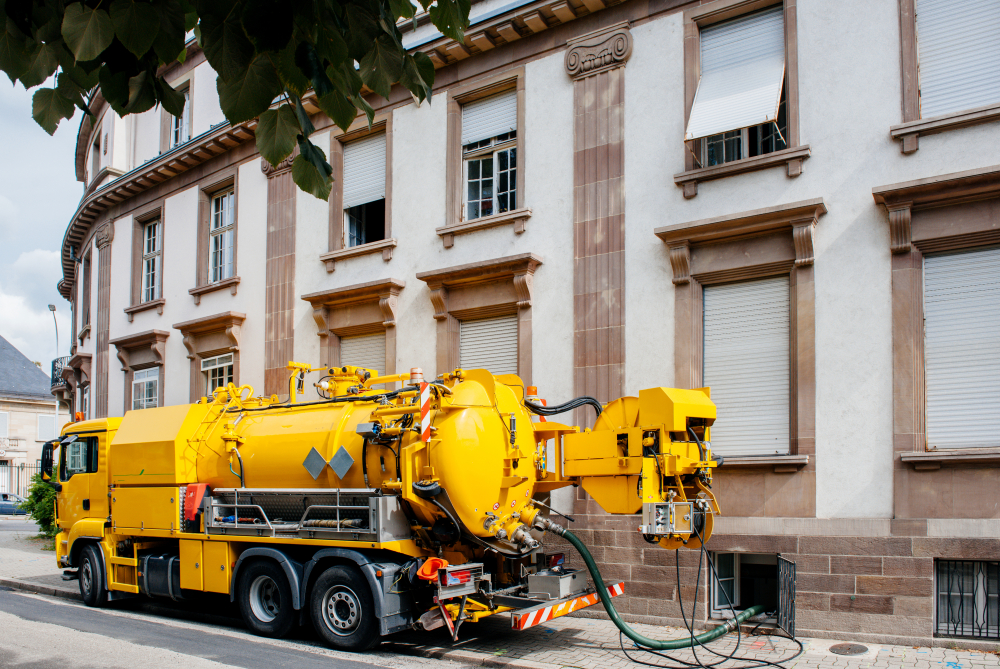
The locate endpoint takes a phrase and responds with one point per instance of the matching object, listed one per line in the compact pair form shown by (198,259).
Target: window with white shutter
(46,428)
(489,343)
(962,348)
(739,106)
(489,149)
(958,44)
(747,366)
(366,351)
(364,190)
(4,424)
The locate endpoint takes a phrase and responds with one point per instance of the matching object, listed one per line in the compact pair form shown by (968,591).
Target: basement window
(743,580)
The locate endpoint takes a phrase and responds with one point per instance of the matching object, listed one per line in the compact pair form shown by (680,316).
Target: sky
(38,195)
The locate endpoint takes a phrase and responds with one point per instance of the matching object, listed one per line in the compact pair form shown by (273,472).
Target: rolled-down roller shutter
(489,117)
(489,343)
(959,54)
(747,366)
(962,349)
(742,72)
(366,351)
(364,170)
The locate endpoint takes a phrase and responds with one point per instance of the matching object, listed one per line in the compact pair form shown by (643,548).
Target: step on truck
(382,504)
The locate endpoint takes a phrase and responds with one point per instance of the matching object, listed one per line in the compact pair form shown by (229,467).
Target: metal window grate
(786,595)
(968,599)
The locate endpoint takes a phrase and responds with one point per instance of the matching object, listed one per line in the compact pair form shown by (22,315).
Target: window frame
(89,460)
(718,609)
(219,184)
(184,84)
(154,255)
(38,427)
(492,150)
(226,199)
(139,378)
(85,404)
(180,127)
(207,370)
(792,157)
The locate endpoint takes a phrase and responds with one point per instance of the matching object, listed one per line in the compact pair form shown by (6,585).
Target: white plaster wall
(251,210)
(205,110)
(312,222)
(118,146)
(121,295)
(146,137)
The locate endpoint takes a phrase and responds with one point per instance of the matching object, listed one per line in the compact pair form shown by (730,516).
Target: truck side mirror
(46,468)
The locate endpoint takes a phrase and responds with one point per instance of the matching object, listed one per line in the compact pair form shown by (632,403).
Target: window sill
(146,306)
(911,131)
(783,464)
(230,283)
(792,159)
(384,245)
(517,217)
(929,460)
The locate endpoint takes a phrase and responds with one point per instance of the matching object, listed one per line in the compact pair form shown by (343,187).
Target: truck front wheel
(265,599)
(92,586)
(342,609)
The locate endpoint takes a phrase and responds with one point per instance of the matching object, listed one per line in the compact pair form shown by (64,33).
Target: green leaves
(276,133)
(451,18)
(311,172)
(13,59)
(250,92)
(382,66)
(87,32)
(136,25)
(41,64)
(48,108)
(227,47)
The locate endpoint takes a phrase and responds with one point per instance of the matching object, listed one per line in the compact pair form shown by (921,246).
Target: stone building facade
(769,198)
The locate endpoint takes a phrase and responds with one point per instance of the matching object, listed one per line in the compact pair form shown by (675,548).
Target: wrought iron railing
(786,595)
(968,599)
(17,478)
(57,367)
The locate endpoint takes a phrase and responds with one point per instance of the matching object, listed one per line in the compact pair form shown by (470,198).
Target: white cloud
(28,327)
(34,275)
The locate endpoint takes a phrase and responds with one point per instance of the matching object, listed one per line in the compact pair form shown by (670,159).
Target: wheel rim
(86,577)
(341,610)
(265,599)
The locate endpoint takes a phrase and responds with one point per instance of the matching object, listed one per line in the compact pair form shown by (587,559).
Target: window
(78,457)
(747,365)
(218,372)
(366,351)
(489,343)
(221,236)
(961,345)
(742,580)
(145,388)
(4,424)
(85,402)
(151,261)
(86,288)
(364,190)
(95,156)
(46,428)
(958,55)
(739,107)
(180,126)
(968,599)
(489,152)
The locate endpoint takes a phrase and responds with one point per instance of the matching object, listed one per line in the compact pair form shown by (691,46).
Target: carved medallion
(598,51)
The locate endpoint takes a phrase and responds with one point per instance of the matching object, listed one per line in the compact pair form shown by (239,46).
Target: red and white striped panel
(425,412)
(522,620)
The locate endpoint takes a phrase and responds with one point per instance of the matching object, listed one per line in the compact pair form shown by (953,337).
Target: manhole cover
(848,649)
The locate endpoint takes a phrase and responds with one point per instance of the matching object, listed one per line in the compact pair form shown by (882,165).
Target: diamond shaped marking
(341,462)
(314,463)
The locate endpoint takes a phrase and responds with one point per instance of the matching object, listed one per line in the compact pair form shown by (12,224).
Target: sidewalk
(564,642)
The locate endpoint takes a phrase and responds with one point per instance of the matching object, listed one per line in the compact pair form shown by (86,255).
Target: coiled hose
(602,591)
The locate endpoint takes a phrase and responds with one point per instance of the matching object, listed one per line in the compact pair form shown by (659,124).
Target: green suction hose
(602,590)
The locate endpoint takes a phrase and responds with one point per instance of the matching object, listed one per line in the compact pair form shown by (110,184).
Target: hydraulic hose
(602,591)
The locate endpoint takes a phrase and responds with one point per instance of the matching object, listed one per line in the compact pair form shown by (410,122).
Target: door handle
(86,505)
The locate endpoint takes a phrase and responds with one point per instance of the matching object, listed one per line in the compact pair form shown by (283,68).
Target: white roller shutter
(959,55)
(489,343)
(742,71)
(366,351)
(962,349)
(489,117)
(4,424)
(746,365)
(364,170)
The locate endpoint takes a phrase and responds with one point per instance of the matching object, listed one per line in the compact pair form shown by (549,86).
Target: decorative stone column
(279,275)
(596,64)
(105,234)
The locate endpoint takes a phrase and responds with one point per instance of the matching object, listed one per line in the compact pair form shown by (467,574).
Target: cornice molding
(598,51)
(155,340)
(229,323)
(271,171)
(383,291)
(479,272)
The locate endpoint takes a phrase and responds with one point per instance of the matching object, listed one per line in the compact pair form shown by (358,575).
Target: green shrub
(40,505)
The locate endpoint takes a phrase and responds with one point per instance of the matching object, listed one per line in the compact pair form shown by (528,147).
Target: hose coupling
(522,537)
(546,525)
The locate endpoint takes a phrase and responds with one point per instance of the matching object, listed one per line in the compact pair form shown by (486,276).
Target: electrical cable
(565,406)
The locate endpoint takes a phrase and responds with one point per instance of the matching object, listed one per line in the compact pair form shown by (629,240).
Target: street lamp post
(52,308)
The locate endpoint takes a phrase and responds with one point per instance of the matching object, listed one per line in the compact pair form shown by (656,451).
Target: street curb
(40,589)
(476,659)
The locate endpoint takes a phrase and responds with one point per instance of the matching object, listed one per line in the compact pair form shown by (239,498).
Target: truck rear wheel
(93,588)
(265,599)
(342,609)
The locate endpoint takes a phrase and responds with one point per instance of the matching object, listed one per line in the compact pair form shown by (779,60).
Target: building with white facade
(795,207)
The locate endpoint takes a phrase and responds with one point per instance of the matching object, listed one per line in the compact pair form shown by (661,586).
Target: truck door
(78,467)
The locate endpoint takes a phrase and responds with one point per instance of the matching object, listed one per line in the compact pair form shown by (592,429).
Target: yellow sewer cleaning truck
(373,508)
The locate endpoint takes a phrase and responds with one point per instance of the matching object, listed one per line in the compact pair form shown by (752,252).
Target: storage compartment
(192,564)
(219,559)
(145,508)
(556,584)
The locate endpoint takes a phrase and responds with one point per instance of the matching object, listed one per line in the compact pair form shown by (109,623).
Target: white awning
(489,117)
(364,170)
(742,71)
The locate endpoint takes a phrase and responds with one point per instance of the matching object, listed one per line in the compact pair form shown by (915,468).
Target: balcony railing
(57,367)
(10,444)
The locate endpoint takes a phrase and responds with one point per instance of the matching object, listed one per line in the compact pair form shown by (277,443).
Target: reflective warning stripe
(532,617)
(425,411)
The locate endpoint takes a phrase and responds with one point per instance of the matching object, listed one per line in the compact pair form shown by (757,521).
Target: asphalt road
(41,632)
(17,524)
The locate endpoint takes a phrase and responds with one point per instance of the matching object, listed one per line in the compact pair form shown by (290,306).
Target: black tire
(93,585)
(265,599)
(343,611)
